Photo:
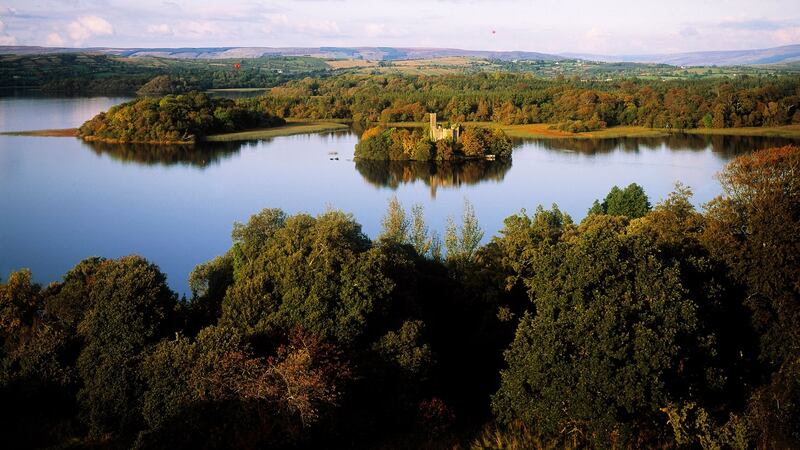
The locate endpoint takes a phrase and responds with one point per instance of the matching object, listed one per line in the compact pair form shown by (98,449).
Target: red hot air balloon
(237,66)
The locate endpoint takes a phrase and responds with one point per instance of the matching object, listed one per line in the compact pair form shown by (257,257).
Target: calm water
(62,200)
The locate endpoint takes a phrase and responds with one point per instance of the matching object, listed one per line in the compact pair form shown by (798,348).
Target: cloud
(689,31)
(5,38)
(160,29)
(318,27)
(54,40)
(595,33)
(88,26)
(281,23)
(275,21)
(197,28)
(789,35)
(752,25)
(6,11)
(374,30)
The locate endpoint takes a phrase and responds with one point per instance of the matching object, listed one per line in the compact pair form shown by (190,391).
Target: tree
(425,243)
(754,227)
(472,143)
(321,274)
(131,307)
(462,243)
(209,282)
(614,334)
(630,202)
(395,224)
(196,387)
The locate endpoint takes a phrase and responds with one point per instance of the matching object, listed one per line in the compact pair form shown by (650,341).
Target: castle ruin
(438,132)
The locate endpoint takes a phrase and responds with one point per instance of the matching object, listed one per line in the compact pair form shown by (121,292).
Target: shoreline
(53,132)
(292,127)
(543,131)
(527,131)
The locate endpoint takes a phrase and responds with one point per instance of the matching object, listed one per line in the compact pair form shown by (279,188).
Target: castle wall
(438,132)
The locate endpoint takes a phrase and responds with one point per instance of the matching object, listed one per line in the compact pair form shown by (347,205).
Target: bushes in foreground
(637,327)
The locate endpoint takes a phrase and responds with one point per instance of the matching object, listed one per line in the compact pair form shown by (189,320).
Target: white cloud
(55,40)
(374,30)
(161,29)
(281,23)
(88,26)
(198,28)
(788,35)
(5,38)
(318,27)
(596,39)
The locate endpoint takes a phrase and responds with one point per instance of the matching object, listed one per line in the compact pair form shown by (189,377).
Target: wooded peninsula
(520,105)
(175,119)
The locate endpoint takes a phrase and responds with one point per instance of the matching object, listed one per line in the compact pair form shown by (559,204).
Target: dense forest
(184,118)
(522,98)
(640,326)
(398,144)
(90,73)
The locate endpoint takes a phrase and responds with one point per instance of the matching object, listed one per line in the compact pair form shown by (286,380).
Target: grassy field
(238,90)
(786,131)
(551,69)
(431,66)
(543,131)
(293,127)
(529,131)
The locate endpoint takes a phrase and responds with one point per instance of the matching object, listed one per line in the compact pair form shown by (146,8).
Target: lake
(62,200)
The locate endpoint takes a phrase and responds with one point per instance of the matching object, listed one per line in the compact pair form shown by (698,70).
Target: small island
(175,119)
(433,143)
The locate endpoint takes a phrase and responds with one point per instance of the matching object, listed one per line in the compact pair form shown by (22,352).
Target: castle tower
(433,126)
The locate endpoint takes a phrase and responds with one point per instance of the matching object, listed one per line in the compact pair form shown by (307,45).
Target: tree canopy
(184,118)
(638,327)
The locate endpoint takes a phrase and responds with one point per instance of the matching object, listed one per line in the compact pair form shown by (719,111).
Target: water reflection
(450,174)
(726,146)
(168,155)
(197,155)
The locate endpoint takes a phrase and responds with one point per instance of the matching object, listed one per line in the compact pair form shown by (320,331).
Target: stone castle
(438,132)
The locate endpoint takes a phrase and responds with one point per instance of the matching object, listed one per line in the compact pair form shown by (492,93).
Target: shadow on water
(726,146)
(451,174)
(201,155)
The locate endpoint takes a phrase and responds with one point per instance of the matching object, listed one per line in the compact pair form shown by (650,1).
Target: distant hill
(776,55)
(368,53)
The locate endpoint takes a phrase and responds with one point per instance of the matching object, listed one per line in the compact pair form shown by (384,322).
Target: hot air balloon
(237,66)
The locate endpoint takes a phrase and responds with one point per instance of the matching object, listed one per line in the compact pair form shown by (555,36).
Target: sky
(550,26)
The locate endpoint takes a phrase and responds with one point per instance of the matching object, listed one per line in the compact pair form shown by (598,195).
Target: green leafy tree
(614,331)
(424,242)
(754,227)
(131,306)
(461,243)
(395,224)
(318,273)
(631,202)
